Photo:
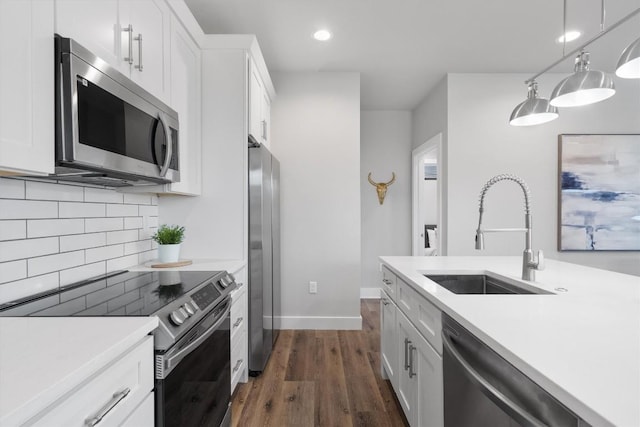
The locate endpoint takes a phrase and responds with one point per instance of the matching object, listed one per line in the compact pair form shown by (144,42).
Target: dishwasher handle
(519,414)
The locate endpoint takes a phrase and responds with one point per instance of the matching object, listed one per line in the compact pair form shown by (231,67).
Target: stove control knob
(190,309)
(176,318)
(222,283)
(184,313)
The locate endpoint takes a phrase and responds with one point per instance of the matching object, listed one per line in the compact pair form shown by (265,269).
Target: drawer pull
(387,281)
(384,301)
(237,322)
(238,364)
(407,343)
(117,397)
(411,371)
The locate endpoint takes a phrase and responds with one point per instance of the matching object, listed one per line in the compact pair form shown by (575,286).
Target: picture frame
(599,192)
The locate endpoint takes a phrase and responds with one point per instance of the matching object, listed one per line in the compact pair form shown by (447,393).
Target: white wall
(386,229)
(481,144)
(316,136)
(52,235)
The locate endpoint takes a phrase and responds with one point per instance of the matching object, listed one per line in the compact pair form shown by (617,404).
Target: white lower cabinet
(117,395)
(239,340)
(411,362)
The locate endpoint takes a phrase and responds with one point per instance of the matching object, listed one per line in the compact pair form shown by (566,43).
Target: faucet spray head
(479,240)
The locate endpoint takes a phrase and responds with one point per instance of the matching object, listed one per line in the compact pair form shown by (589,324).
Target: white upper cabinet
(150,21)
(26,87)
(259,106)
(186,93)
(130,35)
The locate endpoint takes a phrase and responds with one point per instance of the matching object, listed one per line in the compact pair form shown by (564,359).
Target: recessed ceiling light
(322,35)
(569,36)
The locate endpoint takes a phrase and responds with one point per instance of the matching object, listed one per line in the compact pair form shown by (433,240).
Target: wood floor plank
(322,378)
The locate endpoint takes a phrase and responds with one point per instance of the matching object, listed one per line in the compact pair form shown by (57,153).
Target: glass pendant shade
(534,110)
(583,87)
(629,62)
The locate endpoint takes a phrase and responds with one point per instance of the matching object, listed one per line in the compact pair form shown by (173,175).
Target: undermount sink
(479,284)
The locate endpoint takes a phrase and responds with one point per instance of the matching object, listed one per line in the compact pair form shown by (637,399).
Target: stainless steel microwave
(109,130)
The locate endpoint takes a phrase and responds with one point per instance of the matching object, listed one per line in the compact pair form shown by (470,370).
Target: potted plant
(169,238)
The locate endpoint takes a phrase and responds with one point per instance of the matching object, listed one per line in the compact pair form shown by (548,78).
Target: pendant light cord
(564,27)
(579,48)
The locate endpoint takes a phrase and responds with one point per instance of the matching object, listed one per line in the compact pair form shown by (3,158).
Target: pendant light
(584,86)
(534,110)
(629,62)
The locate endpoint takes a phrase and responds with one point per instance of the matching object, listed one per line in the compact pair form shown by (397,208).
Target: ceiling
(403,48)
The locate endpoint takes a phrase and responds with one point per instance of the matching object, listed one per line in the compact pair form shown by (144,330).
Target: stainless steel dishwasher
(483,389)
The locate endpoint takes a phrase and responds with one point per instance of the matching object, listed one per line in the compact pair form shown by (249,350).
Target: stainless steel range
(192,343)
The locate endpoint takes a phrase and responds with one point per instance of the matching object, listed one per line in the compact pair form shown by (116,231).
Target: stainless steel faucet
(529,263)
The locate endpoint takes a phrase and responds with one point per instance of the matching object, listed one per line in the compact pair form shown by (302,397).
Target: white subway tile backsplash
(122,210)
(148,211)
(54,227)
(54,234)
(133,222)
(24,288)
(11,189)
(104,252)
(46,264)
(92,225)
(83,272)
(14,270)
(20,249)
(137,247)
(82,241)
(102,195)
(13,229)
(138,198)
(114,237)
(147,256)
(122,263)
(50,191)
(81,210)
(26,209)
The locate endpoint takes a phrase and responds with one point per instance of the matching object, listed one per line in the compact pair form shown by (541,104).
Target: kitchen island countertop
(581,343)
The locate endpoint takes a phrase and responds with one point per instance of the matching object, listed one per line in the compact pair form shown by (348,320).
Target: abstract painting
(599,193)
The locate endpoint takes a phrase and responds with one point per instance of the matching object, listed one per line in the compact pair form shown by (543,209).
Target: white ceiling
(402,48)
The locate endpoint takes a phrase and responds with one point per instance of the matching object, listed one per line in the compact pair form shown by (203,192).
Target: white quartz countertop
(582,344)
(230,265)
(43,358)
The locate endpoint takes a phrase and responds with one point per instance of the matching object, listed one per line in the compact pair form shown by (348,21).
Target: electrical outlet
(313,287)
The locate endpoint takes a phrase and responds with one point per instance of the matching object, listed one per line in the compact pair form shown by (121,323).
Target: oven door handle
(518,413)
(170,362)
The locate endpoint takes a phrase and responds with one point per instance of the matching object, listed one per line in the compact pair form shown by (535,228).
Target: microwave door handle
(520,414)
(167,137)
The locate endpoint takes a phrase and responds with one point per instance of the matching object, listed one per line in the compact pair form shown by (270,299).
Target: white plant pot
(169,253)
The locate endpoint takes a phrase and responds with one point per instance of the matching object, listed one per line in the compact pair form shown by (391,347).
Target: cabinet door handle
(237,322)
(411,371)
(387,281)
(139,40)
(129,29)
(117,397)
(238,364)
(407,342)
(384,301)
(264,130)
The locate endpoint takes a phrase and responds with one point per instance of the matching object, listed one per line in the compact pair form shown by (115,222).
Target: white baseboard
(369,293)
(319,323)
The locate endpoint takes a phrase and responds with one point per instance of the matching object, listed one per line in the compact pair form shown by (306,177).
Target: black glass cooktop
(124,294)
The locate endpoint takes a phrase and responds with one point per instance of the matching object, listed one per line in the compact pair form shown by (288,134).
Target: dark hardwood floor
(322,378)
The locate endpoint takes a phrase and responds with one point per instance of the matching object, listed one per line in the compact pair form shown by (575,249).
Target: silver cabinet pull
(139,40)
(238,364)
(386,281)
(412,373)
(117,397)
(407,342)
(384,301)
(129,30)
(264,130)
(237,322)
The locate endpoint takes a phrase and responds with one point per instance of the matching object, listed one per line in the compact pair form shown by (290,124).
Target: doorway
(427,219)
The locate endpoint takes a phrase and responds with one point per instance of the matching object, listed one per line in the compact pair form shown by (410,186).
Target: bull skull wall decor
(381,187)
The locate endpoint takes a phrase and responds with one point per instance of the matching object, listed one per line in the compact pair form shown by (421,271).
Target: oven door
(193,377)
